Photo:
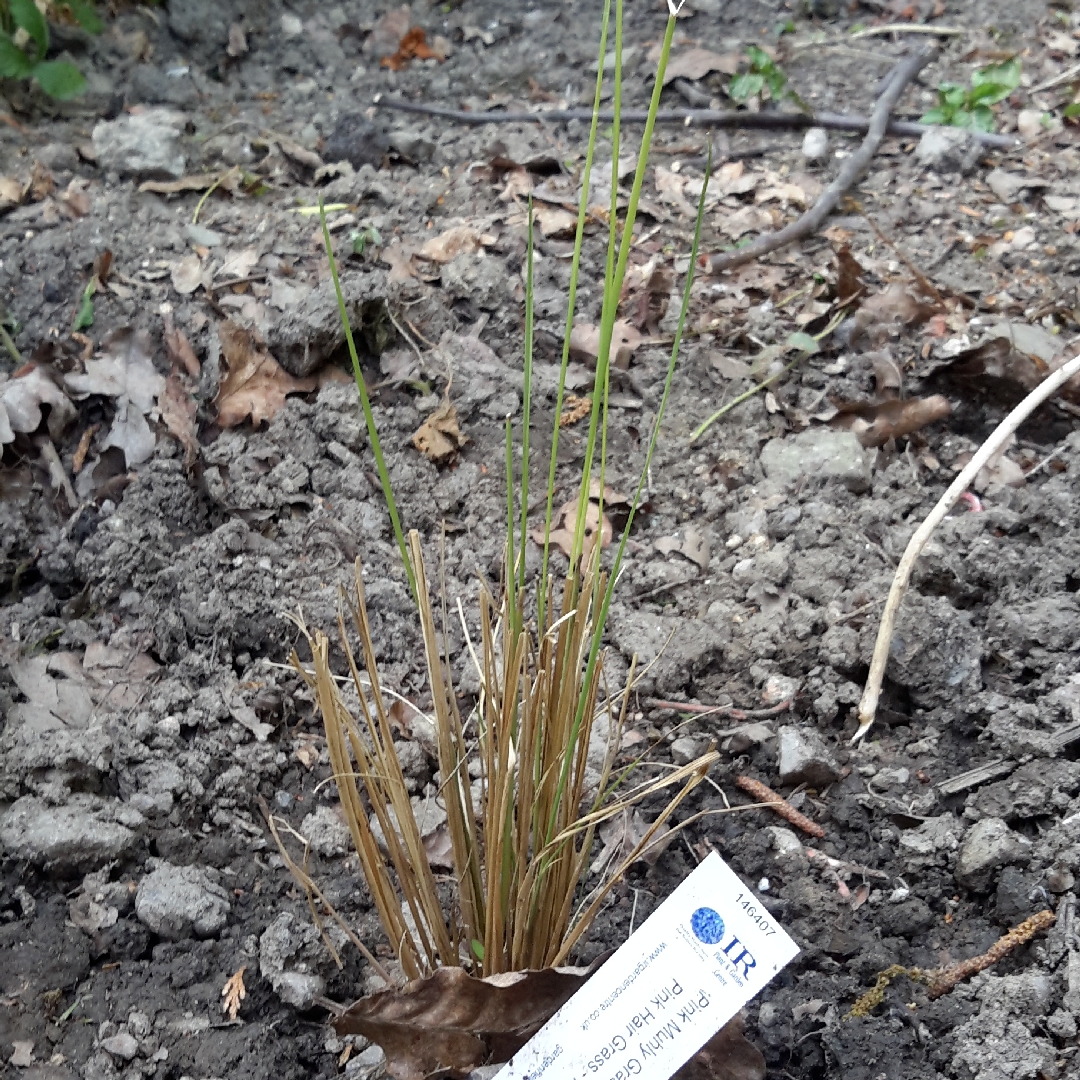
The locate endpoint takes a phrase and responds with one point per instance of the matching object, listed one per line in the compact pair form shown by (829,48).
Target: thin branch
(849,174)
(1000,435)
(710,118)
(767,797)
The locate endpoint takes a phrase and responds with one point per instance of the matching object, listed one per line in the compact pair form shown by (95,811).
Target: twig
(765,794)
(944,979)
(1050,385)
(852,169)
(906,28)
(720,710)
(713,118)
(1057,80)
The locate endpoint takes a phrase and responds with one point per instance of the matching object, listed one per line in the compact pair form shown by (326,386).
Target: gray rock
(144,145)
(180,901)
(815,144)
(123,1046)
(996,1046)
(948,150)
(326,832)
(200,234)
(371,1062)
(804,758)
(685,749)
(934,835)
(819,452)
(85,833)
(1029,994)
(289,953)
(989,845)
(298,988)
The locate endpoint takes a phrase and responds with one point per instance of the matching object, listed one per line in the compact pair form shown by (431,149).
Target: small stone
(1059,879)
(989,845)
(1029,123)
(356,140)
(145,145)
(123,1046)
(804,758)
(819,452)
(815,144)
(949,150)
(366,1065)
(82,835)
(327,832)
(291,26)
(180,901)
(201,235)
(1062,1024)
(298,988)
(685,749)
(779,688)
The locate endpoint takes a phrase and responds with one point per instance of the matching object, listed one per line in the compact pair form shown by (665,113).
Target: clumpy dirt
(146,704)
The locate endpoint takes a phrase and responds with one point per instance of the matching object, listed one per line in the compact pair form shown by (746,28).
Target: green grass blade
(575,268)
(511,562)
(365,403)
(526,396)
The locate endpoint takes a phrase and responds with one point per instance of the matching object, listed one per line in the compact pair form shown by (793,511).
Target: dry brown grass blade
(389,798)
(456,792)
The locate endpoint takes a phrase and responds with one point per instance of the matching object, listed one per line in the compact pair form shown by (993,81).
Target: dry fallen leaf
(229,180)
(181,354)
(694,545)
(882,315)
(233,992)
(188,274)
(849,284)
(585,342)
(178,411)
(11,193)
(622,834)
(564,523)
(554,222)
(124,372)
(451,1023)
(876,424)
(460,240)
(413,46)
(254,384)
(439,438)
(21,399)
(694,64)
(399,258)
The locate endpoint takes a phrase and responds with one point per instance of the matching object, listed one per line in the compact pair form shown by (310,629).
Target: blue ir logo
(707,925)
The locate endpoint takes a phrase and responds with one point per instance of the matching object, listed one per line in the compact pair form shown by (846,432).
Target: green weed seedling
(24,43)
(969,107)
(764,74)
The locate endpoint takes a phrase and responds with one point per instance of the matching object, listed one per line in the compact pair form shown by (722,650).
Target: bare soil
(145,704)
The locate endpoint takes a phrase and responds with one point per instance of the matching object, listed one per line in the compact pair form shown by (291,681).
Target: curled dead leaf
(439,438)
(21,399)
(178,411)
(885,313)
(876,424)
(694,64)
(585,342)
(451,1023)
(254,384)
(460,240)
(565,522)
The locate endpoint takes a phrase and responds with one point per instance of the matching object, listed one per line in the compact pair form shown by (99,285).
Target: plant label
(702,955)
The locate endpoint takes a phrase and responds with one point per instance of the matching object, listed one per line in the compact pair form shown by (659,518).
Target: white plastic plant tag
(705,952)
